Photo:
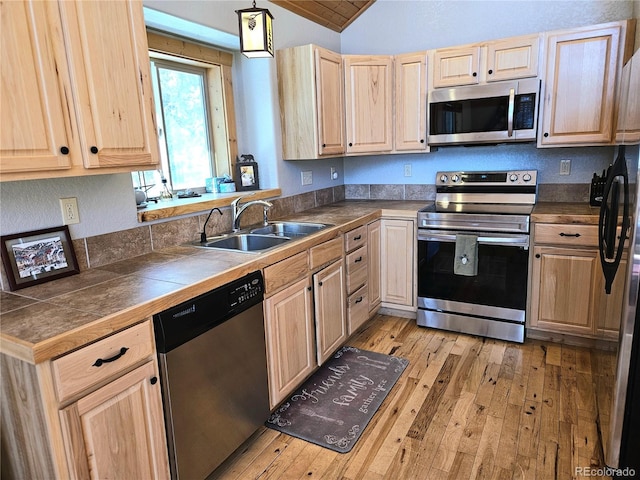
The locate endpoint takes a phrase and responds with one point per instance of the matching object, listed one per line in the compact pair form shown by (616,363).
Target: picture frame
(247,176)
(38,256)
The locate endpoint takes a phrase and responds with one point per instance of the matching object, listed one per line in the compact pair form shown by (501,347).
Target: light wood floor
(465,408)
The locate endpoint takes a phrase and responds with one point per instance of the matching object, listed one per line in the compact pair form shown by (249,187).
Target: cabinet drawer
(562,234)
(358,309)
(325,253)
(355,238)
(95,363)
(285,272)
(357,262)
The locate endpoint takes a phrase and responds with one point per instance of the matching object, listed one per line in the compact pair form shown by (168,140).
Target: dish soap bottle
(165,194)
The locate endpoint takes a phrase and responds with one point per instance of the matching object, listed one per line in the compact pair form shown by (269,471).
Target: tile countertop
(48,320)
(568,213)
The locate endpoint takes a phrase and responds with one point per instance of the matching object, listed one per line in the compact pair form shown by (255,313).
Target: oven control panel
(513,177)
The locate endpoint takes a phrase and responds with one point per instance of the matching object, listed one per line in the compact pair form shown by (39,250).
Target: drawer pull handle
(359,300)
(359,259)
(357,238)
(569,234)
(100,361)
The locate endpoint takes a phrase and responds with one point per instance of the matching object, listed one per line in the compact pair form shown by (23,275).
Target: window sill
(185,206)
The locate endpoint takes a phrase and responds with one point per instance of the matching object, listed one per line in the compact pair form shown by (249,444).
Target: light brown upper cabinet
(310,86)
(513,58)
(410,97)
(505,59)
(369,107)
(81,100)
(628,125)
(583,66)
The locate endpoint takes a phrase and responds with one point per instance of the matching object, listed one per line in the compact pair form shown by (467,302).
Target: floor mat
(335,404)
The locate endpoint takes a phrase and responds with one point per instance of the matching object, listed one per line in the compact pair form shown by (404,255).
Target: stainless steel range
(473,253)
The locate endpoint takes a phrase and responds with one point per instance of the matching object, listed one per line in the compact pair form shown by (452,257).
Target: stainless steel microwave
(493,113)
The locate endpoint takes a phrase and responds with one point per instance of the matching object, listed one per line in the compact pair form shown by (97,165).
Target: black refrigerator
(619,237)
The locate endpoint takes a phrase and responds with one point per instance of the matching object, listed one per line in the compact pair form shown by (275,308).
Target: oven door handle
(515,241)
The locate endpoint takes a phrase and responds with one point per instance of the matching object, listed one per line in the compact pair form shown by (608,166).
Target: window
(194,102)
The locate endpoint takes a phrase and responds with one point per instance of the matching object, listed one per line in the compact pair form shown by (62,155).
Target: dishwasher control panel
(249,289)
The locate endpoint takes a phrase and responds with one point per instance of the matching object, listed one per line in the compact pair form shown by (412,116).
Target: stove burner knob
(455,178)
(513,177)
(444,178)
(526,177)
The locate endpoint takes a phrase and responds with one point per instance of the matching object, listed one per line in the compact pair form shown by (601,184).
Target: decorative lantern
(256,32)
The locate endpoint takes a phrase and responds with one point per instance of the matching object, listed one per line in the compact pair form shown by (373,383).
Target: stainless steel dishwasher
(213,372)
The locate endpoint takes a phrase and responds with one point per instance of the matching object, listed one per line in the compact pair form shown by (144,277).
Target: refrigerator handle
(610,253)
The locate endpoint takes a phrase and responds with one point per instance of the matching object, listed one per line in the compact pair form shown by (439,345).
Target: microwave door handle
(512,101)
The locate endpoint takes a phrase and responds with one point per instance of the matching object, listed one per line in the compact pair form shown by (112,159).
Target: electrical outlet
(407,169)
(307,177)
(334,173)
(565,167)
(69,208)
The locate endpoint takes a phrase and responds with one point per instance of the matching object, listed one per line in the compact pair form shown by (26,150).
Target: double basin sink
(265,237)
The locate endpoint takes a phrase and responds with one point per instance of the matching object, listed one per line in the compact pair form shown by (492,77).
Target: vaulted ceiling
(333,14)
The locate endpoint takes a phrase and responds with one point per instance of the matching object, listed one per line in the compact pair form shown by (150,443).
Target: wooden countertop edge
(206,202)
(73,339)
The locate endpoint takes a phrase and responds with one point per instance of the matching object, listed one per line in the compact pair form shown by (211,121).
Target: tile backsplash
(113,247)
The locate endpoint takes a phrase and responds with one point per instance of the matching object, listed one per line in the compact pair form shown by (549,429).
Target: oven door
(498,291)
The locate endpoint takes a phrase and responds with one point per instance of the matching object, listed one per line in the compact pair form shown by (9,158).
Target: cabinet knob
(324,145)
(422,140)
(309,288)
(490,72)
(94,149)
(319,284)
(350,144)
(153,380)
(475,74)
(537,255)
(546,134)
(64,150)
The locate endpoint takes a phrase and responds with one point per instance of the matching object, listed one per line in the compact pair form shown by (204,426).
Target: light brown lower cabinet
(118,430)
(397,246)
(567,293)
(374,266)
(93,413)
(329,302)
(290,338)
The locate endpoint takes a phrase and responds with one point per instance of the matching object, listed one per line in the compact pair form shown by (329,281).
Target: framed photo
(247,176)
(39,256)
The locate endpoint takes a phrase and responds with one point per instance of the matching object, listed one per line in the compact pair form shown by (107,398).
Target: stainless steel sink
(289,229)
(247,242)
(263,238)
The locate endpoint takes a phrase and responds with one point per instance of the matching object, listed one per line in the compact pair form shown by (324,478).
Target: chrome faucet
(237,211)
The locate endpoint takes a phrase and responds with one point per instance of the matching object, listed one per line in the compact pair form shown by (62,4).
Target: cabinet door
(579,87)
(109,58)
(330,305)
(373,281)
(607,309)
(330,102)
(290,339)
(628,125)
(456,66)
(118,430)
(411,102)
(562,289)
(513,58)
(35,112)
(397,242)
(369,111)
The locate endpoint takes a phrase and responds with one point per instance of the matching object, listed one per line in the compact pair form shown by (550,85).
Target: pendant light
(256,32)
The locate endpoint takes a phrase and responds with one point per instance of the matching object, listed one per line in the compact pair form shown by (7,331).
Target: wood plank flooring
(465,408)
